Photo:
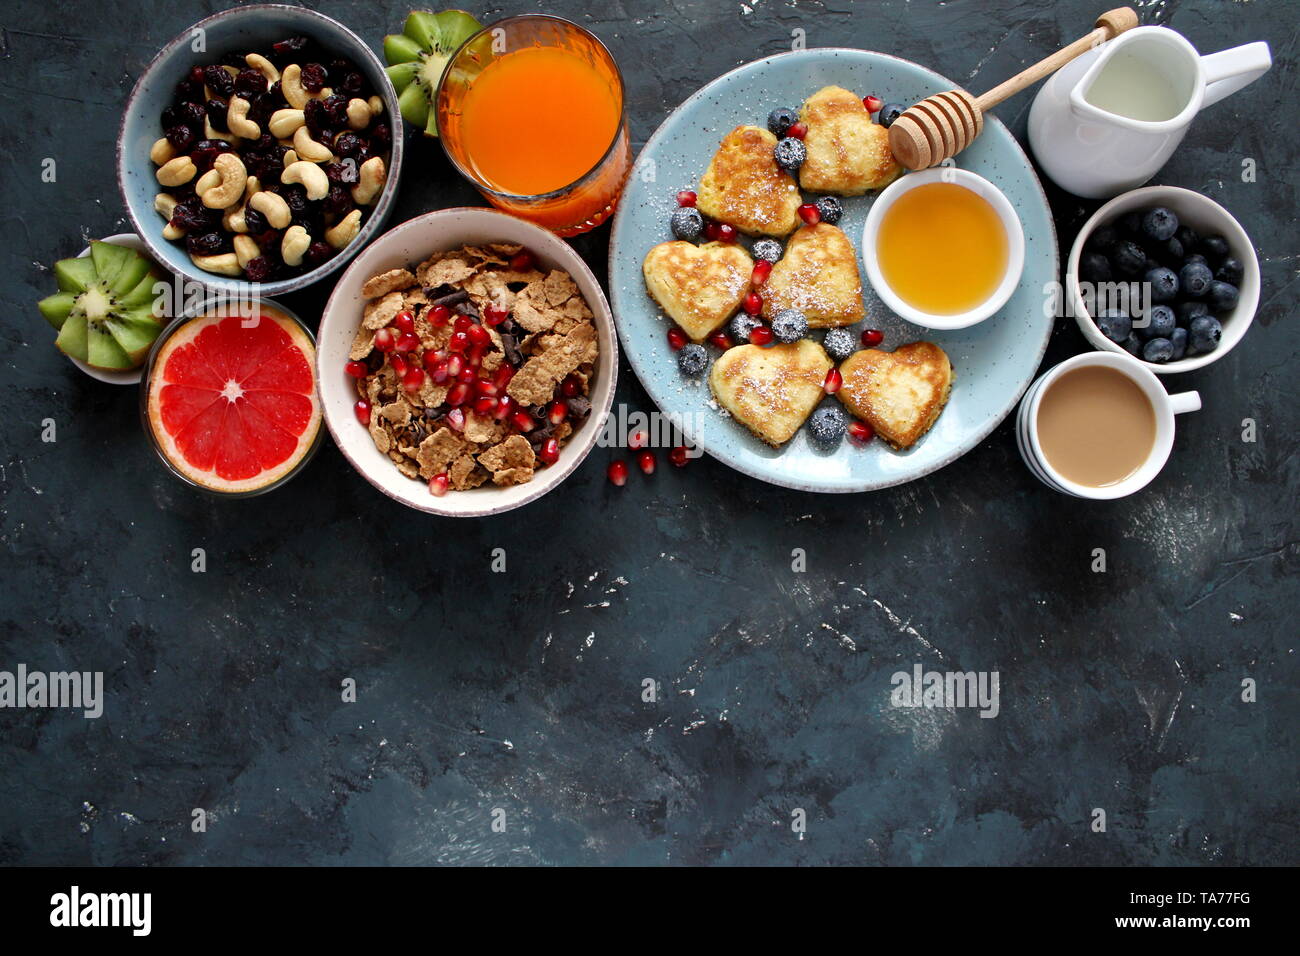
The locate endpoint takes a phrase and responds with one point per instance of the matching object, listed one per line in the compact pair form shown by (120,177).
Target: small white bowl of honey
(943,248)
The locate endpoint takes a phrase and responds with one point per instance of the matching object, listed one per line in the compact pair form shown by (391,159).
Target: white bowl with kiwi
(1219,242)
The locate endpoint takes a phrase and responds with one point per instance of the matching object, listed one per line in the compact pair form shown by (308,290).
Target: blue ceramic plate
(994,361)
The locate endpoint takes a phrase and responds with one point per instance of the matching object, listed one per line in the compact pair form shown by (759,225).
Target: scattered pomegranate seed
(456,419)
(646,462)
(494,315)
(407,342)
(505,407)
(385,340)
(479,335)
(522,261)
(457,394)
(476,353)
(720,339)
(617,473)
(753,303)
(797,130)
(676,339)
(570,387)
(872,337)
(438,484)
(727,233)
(485,406)
(523,421)
(760,335)
(557,412)
(762,269)
(439,315)
(454,365)
(872,103)
(399,365)
(638,439)
(678,456)
(712,231)
(486,387)
(458,342)
(362,408)
(860,431)
(357,369)
(413,380)
(439,372)
(550,451)
(404,321)
(462,323)
(833,382)
(467,376)
(686,197)
(504,373)
(810,214)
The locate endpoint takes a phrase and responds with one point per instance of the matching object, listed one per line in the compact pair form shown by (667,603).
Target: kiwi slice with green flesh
(104,309)
(417,57)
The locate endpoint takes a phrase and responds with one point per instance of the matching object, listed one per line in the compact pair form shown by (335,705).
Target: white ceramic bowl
(130,376)
(407,245)
(1010,221)
(1207,217)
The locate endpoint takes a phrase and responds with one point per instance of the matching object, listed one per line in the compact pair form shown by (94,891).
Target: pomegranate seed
(454,365)
(557,413)
(362,408)
(678,456)
(872,103)
(385,340)
(523,421)
(860,431)
(413,380)
(439,371)
(872,337)
(439,315)
(617,473)
(720,339)
(479,335)
(494,315)
(404,321)
(467,376)
(833,382)
(407,341)
(485,406)
(462,323)
(686,197)
(457,394)
(357,369)
(753,303)
(458,342)
(638,439)
(438,484)
(712,231)
(570,387)
(522,261)
(399,365)
(797,130)
(760,335)
(810,214)
(505,407)
(762,269)
(727,233)
(505,372)
(456,419)
(646,462)
(476,353)
(676,339)
(550,451)
(485,387)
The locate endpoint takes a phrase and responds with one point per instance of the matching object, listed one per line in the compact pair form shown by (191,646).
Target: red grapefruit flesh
(232,400)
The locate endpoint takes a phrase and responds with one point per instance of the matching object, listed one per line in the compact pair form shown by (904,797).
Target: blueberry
(1203,335)
(1214,248)
(1103,237)
(830,209)
(1160,323)
(789,325)
(1163,284)
(693,360)
(1132,224)
(1178,339)
(1094,267)
(1132,345)
(1128,258)
(1194,279)
(768,249)
(1222,296)
(1171,253)
(687,223)
(1158,350)
(1231,271)
(790,154)
(1190,310)
(1159,224)
(1195,257)
(840,344)
(780,120)
(888,113)
(1114,324)
(1188,236)
(1152,263)
(742,325)
(827,425)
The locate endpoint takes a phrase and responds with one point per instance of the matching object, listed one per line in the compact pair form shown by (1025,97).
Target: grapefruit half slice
(232,400)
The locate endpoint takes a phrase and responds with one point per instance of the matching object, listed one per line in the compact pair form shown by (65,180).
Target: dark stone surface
(522,691)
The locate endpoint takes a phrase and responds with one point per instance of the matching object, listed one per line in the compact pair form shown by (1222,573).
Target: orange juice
(537,119)
(942,248)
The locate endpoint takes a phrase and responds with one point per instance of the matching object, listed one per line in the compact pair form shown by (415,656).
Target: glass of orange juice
(530,110)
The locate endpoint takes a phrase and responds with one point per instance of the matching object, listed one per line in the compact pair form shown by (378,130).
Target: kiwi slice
(104,307)
(417,56)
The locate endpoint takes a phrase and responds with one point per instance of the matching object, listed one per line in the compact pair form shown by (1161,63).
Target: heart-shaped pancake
(847,153)
(900,393)
(745,187)
(818,275)
(771,391)
(700,287)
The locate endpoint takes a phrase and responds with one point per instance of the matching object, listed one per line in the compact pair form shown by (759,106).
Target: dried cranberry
(381,137)
(205,152)
(336,107)
(269,239)
(288,47)
(341,172)
(352,83)
(196,74)
(348,144)
(219,81)
(265,143)
(233,58)
(249,83)
(316,116)
(318,252)
(276,95)
(258,269)
(314,77)
(193,115)
(338,202)
(181,138)
(255,221)
(191,215)
(169,117)
(261,107)
(187,91)
(340,66)
(206,244)
(217,113)
(296,197)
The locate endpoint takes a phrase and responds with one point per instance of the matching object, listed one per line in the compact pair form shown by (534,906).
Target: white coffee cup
(1164,405)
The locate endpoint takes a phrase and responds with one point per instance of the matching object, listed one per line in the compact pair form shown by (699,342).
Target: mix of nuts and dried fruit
(475,365)
(266,167)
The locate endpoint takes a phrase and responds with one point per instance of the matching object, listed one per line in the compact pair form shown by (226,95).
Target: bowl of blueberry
(1165,274)
(262,145)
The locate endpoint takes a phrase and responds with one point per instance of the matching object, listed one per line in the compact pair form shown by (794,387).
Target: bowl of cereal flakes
(467,362)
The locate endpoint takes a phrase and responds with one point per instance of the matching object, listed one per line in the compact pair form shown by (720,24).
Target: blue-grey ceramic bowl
(243,29)
(994,361)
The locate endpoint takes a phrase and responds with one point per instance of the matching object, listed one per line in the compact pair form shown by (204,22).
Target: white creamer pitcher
(1107,121)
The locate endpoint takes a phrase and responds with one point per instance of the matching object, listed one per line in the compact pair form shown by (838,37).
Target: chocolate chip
(579,406)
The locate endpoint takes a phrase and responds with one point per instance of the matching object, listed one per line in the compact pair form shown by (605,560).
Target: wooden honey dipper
(941,126)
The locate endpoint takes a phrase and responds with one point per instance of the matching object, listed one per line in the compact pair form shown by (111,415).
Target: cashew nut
(370,180)
(162,151)
(225,264)
(345,230)
(294,245)
(176,172)
(251,187)
(376,105)
(358,114)
(233,219)
(245,249)
(228,189)
(165,204)
(291,86)
(310,175)
(283,122)
(308,148)
(237,120)
(290,157)
(273,207)
(264,66)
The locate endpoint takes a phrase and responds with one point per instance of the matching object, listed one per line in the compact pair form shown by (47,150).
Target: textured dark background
(523,691)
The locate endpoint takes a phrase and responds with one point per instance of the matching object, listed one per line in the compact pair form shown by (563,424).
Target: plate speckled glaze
(993,361)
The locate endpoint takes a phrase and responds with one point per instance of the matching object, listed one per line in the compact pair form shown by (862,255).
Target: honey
(942,248)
